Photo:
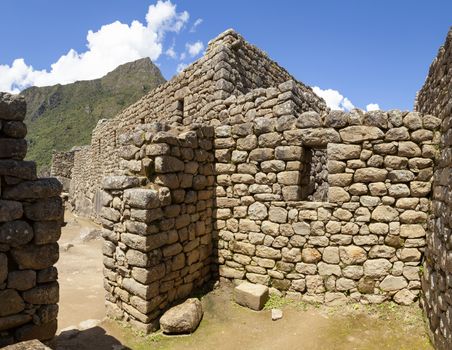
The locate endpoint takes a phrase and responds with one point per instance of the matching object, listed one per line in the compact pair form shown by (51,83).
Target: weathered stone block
(377,268)
(13,321)
(370,175)
(352,255)
(13,148)
(142,198)
(49,209)
(253,296)
(168,164)
(385,213)
(257,211)
(43,294)
(10,210)
(21,169)
(338,195)
(12,107)
(119,182)
(11,303)
(360,133)
(21,280)
(36,257)
(41,188)
(392,283)
(183,318)
(43,331)
(343,152)
(16,233)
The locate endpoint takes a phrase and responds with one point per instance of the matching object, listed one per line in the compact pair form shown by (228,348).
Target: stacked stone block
(366,242)
(157,218)
(436,97)
(31,215)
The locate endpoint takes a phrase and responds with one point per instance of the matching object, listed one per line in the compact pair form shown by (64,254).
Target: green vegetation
(277,302)
(62,116)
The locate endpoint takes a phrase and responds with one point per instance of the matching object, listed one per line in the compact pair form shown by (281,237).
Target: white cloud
(194,48)
(195,25)
(181,67)
(372,107)
(170,52)
(334,99)
(113,44)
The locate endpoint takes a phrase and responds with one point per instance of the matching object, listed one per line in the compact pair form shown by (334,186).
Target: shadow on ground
(92,338)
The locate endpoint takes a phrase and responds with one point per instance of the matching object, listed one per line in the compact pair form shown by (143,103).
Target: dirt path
(80,275)
(225,325)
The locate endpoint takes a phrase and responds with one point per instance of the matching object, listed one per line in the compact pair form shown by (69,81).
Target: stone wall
(31,215)
(157,219)
(367,241)
(62,164)
(435,97)
(199,94)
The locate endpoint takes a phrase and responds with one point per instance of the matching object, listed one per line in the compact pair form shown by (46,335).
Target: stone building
(235,170)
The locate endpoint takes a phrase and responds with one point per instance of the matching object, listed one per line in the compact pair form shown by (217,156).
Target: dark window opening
(180,107)
(99,146)
(114,138)
(314,175)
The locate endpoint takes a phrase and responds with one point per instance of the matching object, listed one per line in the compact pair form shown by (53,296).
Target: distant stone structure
(31,215)
(235,170)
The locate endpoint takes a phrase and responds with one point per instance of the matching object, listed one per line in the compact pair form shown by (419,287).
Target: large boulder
(183,318)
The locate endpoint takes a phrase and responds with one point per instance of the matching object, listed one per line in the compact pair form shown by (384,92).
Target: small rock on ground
(277,314)
(183,318)
(89,234)
(88,324)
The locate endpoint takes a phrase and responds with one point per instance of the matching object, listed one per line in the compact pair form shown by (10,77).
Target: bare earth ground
(80,275)
(226,325)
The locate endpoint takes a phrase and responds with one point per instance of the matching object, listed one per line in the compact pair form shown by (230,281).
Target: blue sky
(370,52)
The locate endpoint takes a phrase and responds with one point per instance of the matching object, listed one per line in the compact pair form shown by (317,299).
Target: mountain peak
(62,116)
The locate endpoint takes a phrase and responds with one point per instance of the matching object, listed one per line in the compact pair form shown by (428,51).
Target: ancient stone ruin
(235,170)
(31,215)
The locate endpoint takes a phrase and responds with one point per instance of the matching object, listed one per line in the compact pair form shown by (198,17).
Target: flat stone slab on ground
(183,318)
(253,296)
(28,345)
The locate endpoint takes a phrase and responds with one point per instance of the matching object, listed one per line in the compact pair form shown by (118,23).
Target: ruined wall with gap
(366,242)
(31,215)
(199,94)
(157,219)
(435,97)
(62,164)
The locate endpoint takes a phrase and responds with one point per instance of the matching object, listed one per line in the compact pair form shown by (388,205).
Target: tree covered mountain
(62,116)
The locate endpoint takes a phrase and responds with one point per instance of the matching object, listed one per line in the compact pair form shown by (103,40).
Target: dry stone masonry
(235,170)
(436,98)
(157,217)
(31,215)
(366,241)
